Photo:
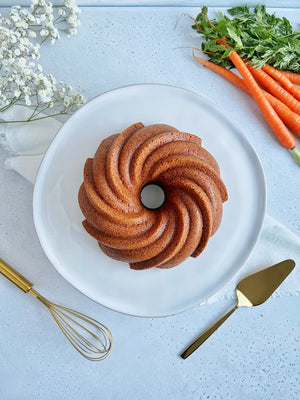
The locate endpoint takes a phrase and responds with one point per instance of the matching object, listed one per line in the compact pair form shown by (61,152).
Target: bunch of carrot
(279,102)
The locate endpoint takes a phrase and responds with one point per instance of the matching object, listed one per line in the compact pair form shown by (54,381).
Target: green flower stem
(32,120)
(33,113)
(57,20)
(12,102)
(45,38)
(35,9)
(296,154)
(39,112)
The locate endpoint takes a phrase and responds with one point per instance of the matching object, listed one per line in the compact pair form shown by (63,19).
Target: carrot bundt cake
(110,196)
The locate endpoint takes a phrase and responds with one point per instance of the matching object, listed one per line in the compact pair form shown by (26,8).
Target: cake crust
(110,196)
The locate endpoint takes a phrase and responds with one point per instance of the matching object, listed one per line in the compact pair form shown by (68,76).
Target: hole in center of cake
(152,196)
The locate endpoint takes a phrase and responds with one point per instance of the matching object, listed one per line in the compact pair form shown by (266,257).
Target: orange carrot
(280,130)
(225,73)
(294,78)
(275,89)
(289,117)
(285,82)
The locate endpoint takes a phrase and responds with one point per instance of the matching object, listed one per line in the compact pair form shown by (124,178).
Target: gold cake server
(89,337)
(253,290)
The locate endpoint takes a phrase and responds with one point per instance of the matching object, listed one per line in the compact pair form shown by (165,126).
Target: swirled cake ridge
(110,196)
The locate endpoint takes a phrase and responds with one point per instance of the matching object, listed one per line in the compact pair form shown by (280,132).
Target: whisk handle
(15,277)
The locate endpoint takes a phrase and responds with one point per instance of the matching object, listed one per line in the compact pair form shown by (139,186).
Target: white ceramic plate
(76,255)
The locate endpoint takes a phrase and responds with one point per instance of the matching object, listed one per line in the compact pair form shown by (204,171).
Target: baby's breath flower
(32,34)
(44,32)
(61,12)
(27,100)
(43,18)
(21,79)
(72,21)
(48,8)
(72,31)
(45,95)
(27,91)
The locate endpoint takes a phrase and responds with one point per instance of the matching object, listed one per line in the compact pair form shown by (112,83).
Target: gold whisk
(89,337)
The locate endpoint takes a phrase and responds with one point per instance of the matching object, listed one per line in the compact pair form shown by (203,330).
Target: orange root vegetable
(275,89)
(292,76)
(285,82)
(280,130)
(288,116)
(225,73)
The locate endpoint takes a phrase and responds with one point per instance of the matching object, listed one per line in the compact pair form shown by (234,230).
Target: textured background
(255,355)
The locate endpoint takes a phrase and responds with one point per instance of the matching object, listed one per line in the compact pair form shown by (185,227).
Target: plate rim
(40,173)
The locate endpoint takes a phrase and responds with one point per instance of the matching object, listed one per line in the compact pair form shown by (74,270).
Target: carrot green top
(254,34)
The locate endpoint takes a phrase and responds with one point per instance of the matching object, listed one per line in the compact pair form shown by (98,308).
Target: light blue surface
(254,356)
(169,3)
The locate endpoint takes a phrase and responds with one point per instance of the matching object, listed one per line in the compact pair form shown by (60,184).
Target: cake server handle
(204,336)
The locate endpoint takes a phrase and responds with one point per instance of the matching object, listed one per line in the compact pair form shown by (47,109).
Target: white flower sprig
(22,81)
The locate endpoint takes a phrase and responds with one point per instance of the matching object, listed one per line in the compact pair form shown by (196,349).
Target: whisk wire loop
(81,338)
(75,337)
(93,346)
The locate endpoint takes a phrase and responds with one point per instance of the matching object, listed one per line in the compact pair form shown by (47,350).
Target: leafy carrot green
(254,33)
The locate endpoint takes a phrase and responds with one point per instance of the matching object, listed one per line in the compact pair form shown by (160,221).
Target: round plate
(76,255)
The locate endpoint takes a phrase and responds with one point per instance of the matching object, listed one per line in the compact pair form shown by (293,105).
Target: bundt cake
(110,196)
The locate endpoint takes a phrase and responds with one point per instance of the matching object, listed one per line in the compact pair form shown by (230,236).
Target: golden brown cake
(110,196)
